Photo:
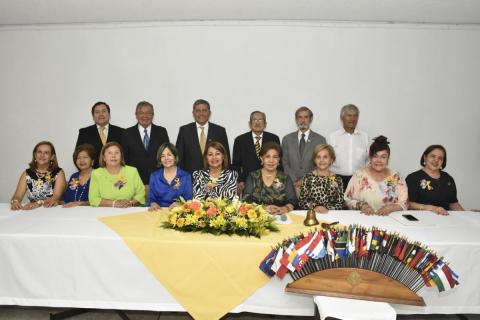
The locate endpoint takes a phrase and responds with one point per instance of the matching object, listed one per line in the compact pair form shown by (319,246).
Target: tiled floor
(22,313)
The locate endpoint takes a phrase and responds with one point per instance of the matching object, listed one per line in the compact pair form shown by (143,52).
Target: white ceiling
(33,12)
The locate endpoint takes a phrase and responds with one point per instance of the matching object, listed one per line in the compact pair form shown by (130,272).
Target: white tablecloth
(67,258)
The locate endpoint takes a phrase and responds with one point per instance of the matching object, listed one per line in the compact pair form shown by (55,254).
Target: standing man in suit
(193,137)
(298,147)
(141,142)
(101,132)
(246,147)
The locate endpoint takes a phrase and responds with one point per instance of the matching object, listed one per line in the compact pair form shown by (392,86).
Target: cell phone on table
(409,217)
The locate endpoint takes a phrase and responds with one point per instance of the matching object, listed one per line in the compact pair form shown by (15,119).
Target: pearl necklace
(81,193)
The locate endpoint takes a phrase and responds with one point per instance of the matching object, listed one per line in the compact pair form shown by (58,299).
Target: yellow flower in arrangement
(199,213)
(220,203)
(251,214)
(210,204)
(261,210)
(180,222)
(173,219)
(220,216)
(218,222)
(176,209)
(74,184)
(191,220)
(240,222)
(229,209)
(120,183)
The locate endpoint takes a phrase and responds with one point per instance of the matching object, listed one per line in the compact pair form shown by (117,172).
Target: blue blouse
(75,191)
(164,193)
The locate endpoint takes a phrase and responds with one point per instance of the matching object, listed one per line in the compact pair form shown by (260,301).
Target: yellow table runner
(208,275)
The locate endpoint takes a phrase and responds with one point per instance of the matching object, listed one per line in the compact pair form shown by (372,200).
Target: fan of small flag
(355,246)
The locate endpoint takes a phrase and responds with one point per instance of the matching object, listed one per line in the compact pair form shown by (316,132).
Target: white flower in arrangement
(236,202)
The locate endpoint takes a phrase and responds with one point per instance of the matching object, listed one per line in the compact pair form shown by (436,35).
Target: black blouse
(424,189)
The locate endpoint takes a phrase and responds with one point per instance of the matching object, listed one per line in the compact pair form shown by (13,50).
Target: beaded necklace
(81,193)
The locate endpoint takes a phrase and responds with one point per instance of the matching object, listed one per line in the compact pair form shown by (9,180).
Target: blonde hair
(323,146)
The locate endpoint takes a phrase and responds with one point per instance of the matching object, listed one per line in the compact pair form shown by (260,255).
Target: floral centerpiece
(220,216)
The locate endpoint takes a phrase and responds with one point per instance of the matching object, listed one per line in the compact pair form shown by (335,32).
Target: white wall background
(418,85)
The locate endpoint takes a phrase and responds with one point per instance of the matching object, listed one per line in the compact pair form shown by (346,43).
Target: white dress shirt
(307,133)
(205,130)
(142,131)
(351,151)
(106,130)
(254,135)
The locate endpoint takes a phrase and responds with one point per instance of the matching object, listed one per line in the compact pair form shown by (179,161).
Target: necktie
(103,137)
(146,139)
(203,139)
(302,145)
(257,145)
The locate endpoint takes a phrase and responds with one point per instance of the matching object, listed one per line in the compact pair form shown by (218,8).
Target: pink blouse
(362,187)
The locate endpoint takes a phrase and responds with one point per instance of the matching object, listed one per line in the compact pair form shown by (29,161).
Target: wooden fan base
(354,283)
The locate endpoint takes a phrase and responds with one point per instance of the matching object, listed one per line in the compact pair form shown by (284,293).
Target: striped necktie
(257,145)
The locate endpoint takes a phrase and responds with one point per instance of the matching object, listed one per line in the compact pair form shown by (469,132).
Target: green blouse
(127,185)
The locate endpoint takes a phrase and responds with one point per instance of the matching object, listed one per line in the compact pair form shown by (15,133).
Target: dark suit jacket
(135,154)
(91,136)
(244,156)
(188,145)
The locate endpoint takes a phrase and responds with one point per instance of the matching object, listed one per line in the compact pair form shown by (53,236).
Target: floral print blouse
(40,186)
(362,187)
(281,192)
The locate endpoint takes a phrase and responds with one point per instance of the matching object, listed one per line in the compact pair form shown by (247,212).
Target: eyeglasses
(258,120)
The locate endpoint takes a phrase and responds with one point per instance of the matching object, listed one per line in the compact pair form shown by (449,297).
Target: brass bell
(311,218)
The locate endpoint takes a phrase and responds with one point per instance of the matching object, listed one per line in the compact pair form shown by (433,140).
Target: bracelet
(14,200)
(113,203)
(40,202)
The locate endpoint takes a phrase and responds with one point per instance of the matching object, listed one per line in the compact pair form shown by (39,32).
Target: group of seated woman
(375,189)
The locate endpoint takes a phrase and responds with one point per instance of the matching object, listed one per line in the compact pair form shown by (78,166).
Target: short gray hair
(144,104)
(259,112)
(349,108)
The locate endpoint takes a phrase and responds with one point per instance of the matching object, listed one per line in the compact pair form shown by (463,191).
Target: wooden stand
(355,283)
